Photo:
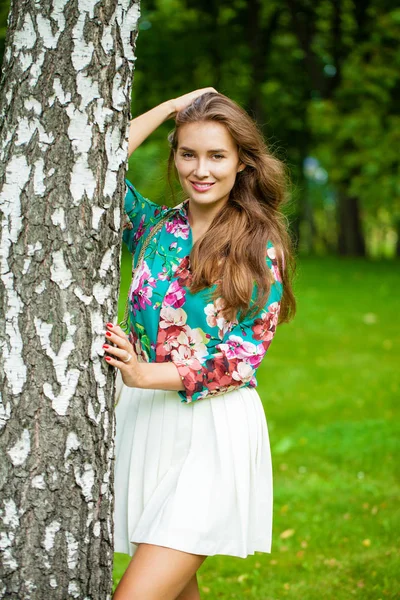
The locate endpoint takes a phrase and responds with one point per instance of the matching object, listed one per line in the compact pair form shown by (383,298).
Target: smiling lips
(202,187)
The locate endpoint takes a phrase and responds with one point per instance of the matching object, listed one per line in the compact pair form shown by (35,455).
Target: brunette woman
(193,473)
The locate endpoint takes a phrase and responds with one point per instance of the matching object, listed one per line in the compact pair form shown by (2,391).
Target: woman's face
(207,162)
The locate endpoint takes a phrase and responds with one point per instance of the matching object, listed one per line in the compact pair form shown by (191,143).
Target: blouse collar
(181,209)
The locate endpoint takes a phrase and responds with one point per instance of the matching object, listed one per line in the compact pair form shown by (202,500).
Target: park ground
(330,386)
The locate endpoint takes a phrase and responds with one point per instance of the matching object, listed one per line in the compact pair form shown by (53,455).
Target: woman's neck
(200,218)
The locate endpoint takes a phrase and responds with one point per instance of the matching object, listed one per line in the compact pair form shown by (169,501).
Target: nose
(202,169)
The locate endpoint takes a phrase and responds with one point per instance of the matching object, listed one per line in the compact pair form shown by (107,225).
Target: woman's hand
(122,356)
(182,102)
(141,127)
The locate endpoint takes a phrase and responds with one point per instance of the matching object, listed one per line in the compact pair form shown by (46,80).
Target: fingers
(183,101)
(118,353)
(202,91)
(115,363)
(116,329)
(117,336)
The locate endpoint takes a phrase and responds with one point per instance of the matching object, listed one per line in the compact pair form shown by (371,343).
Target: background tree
(64,111)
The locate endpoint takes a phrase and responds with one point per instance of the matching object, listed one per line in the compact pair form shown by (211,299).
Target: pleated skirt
(194,477)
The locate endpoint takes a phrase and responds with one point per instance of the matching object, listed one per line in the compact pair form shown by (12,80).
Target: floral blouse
(169,323)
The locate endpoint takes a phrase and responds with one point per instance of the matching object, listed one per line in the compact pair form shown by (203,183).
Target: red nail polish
(108,334)
(108,358)
(110,325)
(106,346)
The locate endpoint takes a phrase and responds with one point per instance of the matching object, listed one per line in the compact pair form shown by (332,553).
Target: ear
(241,167)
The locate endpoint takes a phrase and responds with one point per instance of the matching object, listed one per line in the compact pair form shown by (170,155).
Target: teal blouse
(169,323)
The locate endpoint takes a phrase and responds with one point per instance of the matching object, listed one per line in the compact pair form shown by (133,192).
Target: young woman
(193,473)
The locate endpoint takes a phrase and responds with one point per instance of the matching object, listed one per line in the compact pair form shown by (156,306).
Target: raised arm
(141,127)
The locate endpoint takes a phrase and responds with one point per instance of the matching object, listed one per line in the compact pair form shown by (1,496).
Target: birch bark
(64,114)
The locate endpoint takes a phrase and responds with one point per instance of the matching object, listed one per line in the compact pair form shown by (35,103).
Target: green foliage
(361,124)
(4,10)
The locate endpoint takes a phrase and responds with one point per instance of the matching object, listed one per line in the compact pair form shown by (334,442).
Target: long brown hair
(239,233)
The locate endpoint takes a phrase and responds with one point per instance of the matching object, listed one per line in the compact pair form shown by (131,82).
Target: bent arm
(141,127)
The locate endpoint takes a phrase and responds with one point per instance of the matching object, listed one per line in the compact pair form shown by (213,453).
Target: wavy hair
(237,237)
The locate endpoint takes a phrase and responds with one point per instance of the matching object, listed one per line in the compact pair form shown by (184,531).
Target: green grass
(330,386)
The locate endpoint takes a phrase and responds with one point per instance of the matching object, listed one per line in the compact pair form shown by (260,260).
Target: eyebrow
(191,149)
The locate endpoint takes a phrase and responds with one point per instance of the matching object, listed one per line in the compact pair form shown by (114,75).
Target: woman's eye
(218,156)
(187,154)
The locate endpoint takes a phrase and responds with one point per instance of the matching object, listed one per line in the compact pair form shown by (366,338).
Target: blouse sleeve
(140,214)
(235,360)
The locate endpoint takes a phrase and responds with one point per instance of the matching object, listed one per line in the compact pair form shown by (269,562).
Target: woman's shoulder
(134,192)
(140,216)
(136,203)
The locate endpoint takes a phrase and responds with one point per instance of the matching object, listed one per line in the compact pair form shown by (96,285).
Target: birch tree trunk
(64,113)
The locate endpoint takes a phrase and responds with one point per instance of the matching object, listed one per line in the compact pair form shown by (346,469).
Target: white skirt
(194,477)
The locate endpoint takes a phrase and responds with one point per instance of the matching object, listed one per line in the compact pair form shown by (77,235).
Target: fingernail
(108,334)
(110,325)
(106,346)
(108,358)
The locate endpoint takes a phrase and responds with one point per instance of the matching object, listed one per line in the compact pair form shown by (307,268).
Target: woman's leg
(157,573)
(191,591)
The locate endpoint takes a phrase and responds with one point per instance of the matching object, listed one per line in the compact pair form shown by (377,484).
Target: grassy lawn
(330,387)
